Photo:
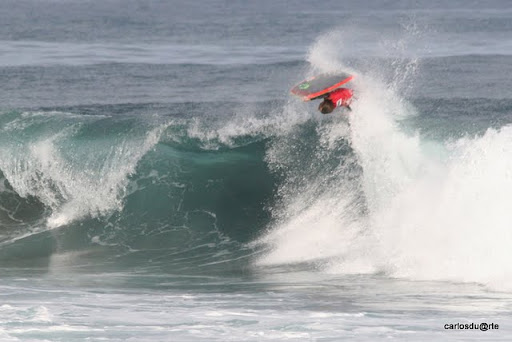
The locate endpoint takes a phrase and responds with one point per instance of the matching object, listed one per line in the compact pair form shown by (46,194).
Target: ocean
(160,183)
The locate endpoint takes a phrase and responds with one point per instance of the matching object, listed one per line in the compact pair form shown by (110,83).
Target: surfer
(326,87)
(340,97)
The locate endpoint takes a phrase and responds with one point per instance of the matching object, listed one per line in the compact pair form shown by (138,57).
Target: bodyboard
(319,85)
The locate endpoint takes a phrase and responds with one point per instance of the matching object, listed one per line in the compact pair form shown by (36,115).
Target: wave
(89,183)
(185,187)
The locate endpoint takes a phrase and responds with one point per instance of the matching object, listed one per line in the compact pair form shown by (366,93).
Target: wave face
(132,187)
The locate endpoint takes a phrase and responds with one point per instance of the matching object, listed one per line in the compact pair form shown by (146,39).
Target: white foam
(246,123)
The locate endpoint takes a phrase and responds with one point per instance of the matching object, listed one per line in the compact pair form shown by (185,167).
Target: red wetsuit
(341,97)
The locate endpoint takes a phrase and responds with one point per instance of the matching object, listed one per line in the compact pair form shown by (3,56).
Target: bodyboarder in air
(327,87)
(341,97)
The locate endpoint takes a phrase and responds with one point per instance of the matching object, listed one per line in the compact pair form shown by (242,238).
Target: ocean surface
(159,183)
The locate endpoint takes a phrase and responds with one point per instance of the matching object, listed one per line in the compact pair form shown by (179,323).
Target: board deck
(320,85)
